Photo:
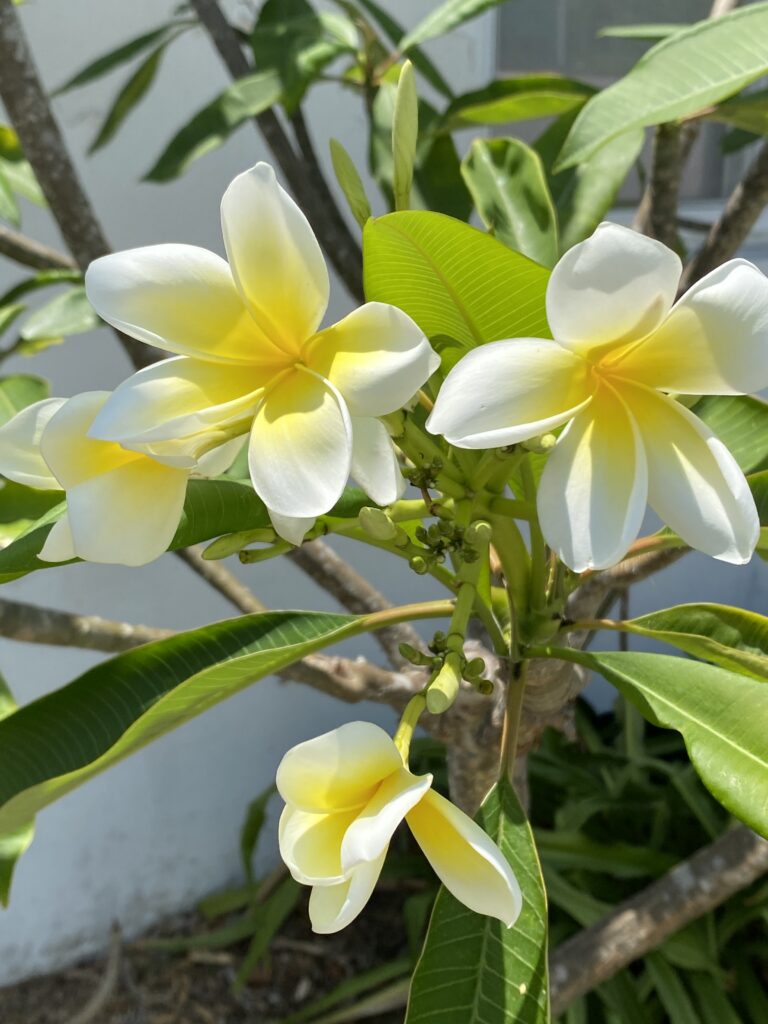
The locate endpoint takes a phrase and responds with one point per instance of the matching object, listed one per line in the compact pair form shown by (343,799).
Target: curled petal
(593,492)
(509,391)
(74,457)
(275,257)
(338,770)
(291,528)
(369,834)
(377,357)
(20,457)
(374,461)
(300,449)
(179,298)
(694,483)
(466,860)
(615,286)
(333,907)
(310,844)
(218,460)
(715,340)
(59,544)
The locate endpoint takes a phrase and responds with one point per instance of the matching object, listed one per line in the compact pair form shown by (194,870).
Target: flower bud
(377,523)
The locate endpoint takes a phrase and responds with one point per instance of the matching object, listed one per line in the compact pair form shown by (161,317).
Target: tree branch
(31,253)
(642,923)
(665,183)
(310,189)
(221,579)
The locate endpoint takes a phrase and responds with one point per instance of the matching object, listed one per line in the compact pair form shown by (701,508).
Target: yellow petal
(310,844)
(370,832)
(333,907)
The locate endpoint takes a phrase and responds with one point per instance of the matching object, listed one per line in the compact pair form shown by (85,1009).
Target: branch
(642,923)
(354,592)
(221,579)
(746,203)
(664,186)
(310,189)
(32,254)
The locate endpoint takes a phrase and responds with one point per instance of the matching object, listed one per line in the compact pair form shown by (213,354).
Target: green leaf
(13,845)
(15,169)
(18,391)
(741,423)
(444,18)
(9,314)
(109,61)
(42,279)
(405,132)
(521,98)
(714,1005)
(564,850)
(737,139)
(758,484)
(648,31)
(269,918)
(730,637)
(69,313)
(255,817)
(474,970)
(680,76)
(9,208)
(213,125)
(749,112)
(426,264)
(128,97)
(21,507)
(671,991)
(296,42)
(723,718)
(352,988)
(350,182)
(507,182)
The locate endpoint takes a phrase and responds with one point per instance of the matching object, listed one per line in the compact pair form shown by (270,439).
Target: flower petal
(59,544)
(377,357)
(715,340)
(291,528)
(369,834)
(374,461)
(219,460)
(593,492)
(300,450)
(310,844)
(20,457)
(338,770)
(694,483)
(333,907)
(615,286)
(466,860)
(508,391)
(275,257)
(73,456)
(179,298)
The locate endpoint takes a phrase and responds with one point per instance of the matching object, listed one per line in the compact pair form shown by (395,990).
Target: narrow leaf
(648,31)
(405,131)
(109,61)
(350,182)
(13,845)
(521,98)
(255,817)
(129,96)
(269,918)
(444,18)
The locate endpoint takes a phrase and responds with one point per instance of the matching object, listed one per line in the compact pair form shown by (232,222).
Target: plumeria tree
(498,413)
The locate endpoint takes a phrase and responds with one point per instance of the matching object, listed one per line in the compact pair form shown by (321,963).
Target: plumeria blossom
(250,358)
(123,507)
(621,347)
(345,793)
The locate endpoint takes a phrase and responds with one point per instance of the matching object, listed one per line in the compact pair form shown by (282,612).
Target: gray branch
(30,253)
(665,183)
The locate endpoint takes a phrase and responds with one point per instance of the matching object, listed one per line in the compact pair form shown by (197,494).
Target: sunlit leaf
(69,313)
(445,17)
(19,390)
(521,98)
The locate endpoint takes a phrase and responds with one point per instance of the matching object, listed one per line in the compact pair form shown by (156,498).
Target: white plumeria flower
(345,793)
(123,507)
(620,344)
(250,357)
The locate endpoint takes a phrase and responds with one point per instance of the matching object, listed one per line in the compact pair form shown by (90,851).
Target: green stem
(512,717)
(538,548)
(408,723)
(439,572)
(512,507)
(408,613)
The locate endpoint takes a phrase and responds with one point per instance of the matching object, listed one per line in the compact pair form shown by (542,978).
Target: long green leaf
(748,112)
(212,125)
(723,718)
(520,98)
(269,918)
(507,181)
(730,637)
(453,280)
(405,133)
(109,61)
(680,76)
(352,988)
(129,96)
(350,182)
(13,845)
(741,423)
(671,991)
(656,30)
(473,970)
(19,390)
(447,16)
(21,507)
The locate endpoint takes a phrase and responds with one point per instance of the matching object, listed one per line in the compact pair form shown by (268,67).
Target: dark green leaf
(128,97)
(671,991)
(13,845)
(518,99)
(749,112)
(506,179)
(472,969)
(268,919)
(21,507)
(352,988)
(213,125)
(447,16)
(109,61)
(563,850)
(255,817)
(18,391)
(714,1005)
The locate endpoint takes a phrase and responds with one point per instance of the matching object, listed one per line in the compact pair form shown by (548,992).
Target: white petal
(369,834)
(72,456)
(275,257)
(694,483)
(508,391)
(291,528)
(300,449)
(338,770)
(615,286)
(20,457)
(332,908)
(219,460)
(374,461)
(310,844)
(179,298)
(593,492)
(59,544)
(466,860)
(715,340)
(377,357)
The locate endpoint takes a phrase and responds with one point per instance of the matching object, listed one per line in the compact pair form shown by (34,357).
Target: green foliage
(18,391)
(405,133)
(426,264)
(474,970)
(648,31)
(69,313)
(741,423)
(680,76)
(21,507)
(521,98)
(13,845)
(507,182)
(748,112)
(445,17)
(255,818)
(129,96)
(350,183)
(16,177)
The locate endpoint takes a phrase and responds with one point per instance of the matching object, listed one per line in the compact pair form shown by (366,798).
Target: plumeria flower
(123,507)
(345,793)
(622,346)
(252,360)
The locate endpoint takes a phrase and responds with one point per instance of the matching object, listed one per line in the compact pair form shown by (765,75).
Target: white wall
(161,829)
